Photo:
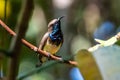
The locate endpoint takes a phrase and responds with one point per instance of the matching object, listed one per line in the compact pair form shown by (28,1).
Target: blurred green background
(84,20)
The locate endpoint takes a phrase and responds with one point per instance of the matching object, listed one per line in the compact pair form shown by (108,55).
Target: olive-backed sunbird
(52,40)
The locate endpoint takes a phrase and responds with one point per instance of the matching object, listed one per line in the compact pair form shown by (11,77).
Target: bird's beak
(60,18)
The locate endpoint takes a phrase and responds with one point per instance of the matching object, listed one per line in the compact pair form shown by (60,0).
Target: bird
(52,40)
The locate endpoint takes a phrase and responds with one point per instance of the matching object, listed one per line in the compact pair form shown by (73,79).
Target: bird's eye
(52,24)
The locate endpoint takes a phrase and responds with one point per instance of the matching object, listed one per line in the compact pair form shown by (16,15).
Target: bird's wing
(43,41)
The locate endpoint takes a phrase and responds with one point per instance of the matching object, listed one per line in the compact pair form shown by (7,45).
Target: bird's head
(55,24)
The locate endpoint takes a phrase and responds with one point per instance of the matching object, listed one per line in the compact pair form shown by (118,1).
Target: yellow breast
(51,48)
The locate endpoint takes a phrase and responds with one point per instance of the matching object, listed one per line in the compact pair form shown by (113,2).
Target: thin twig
(7,28)
(34,48)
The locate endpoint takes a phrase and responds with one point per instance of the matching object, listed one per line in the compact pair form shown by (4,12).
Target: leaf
(87,65)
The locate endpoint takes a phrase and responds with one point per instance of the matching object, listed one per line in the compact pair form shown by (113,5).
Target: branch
(7,28)
(35,49)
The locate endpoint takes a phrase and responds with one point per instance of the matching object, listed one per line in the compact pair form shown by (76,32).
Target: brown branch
(35,49)
(7,28)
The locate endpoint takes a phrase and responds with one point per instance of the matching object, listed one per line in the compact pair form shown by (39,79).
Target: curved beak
(60,18)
